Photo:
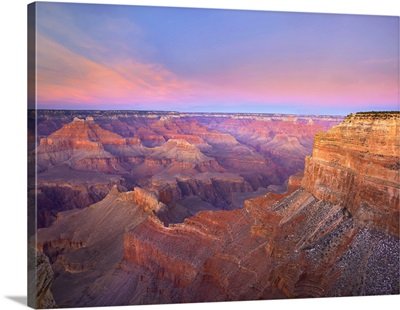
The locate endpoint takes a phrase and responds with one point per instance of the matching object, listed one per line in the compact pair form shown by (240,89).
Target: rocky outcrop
(84,244)
(179,149)
(356,164)
(146,200)
(44,297)
(85,130)
(186,195)
(191,246)
(41,278)
(64,189)
(179,156)
(212,187)
(81,144)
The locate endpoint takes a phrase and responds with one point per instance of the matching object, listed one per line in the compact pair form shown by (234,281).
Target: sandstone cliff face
(212,256)
(185,195)
(216,188)
(81,144)
(356,164)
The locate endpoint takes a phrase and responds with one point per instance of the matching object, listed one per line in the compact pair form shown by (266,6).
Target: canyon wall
(317,240)
(334,232)
(191,162)
(356,165)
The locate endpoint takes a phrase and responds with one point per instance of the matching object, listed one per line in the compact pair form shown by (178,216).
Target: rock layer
(305,243)
(83,245)
(332,233)
(356,164)
(242,156)
(41,277)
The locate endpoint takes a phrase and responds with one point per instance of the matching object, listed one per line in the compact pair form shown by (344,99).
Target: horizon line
(198,112)
(214,112)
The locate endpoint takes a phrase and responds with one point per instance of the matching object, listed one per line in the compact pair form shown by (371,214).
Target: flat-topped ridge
(383,115)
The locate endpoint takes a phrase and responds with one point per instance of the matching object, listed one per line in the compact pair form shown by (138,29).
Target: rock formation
(85,244)
(81,155)
(41,278)
(177,237)
(64,189)
(356,164)
(311,242)
(81,144)
(187,195)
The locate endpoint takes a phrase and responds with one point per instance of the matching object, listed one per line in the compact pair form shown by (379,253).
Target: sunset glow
(149,58)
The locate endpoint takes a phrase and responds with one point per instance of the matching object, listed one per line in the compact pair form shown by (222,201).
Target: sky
(200,60)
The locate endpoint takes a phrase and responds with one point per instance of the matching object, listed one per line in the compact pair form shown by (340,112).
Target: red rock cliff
(356,164)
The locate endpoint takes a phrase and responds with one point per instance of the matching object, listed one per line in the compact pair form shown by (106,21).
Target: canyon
(150,207)
(191,162)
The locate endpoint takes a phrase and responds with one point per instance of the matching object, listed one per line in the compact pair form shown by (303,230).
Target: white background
(13,146)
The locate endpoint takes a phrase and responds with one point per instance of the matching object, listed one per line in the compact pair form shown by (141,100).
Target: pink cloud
(294,82)
(67,77)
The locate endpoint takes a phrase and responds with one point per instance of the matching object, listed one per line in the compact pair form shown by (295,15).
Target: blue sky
(132,57)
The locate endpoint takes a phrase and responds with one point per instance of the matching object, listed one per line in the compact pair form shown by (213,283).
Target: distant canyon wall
(214,157)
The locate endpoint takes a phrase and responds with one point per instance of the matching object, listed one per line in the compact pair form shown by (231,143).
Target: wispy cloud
(67,77)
